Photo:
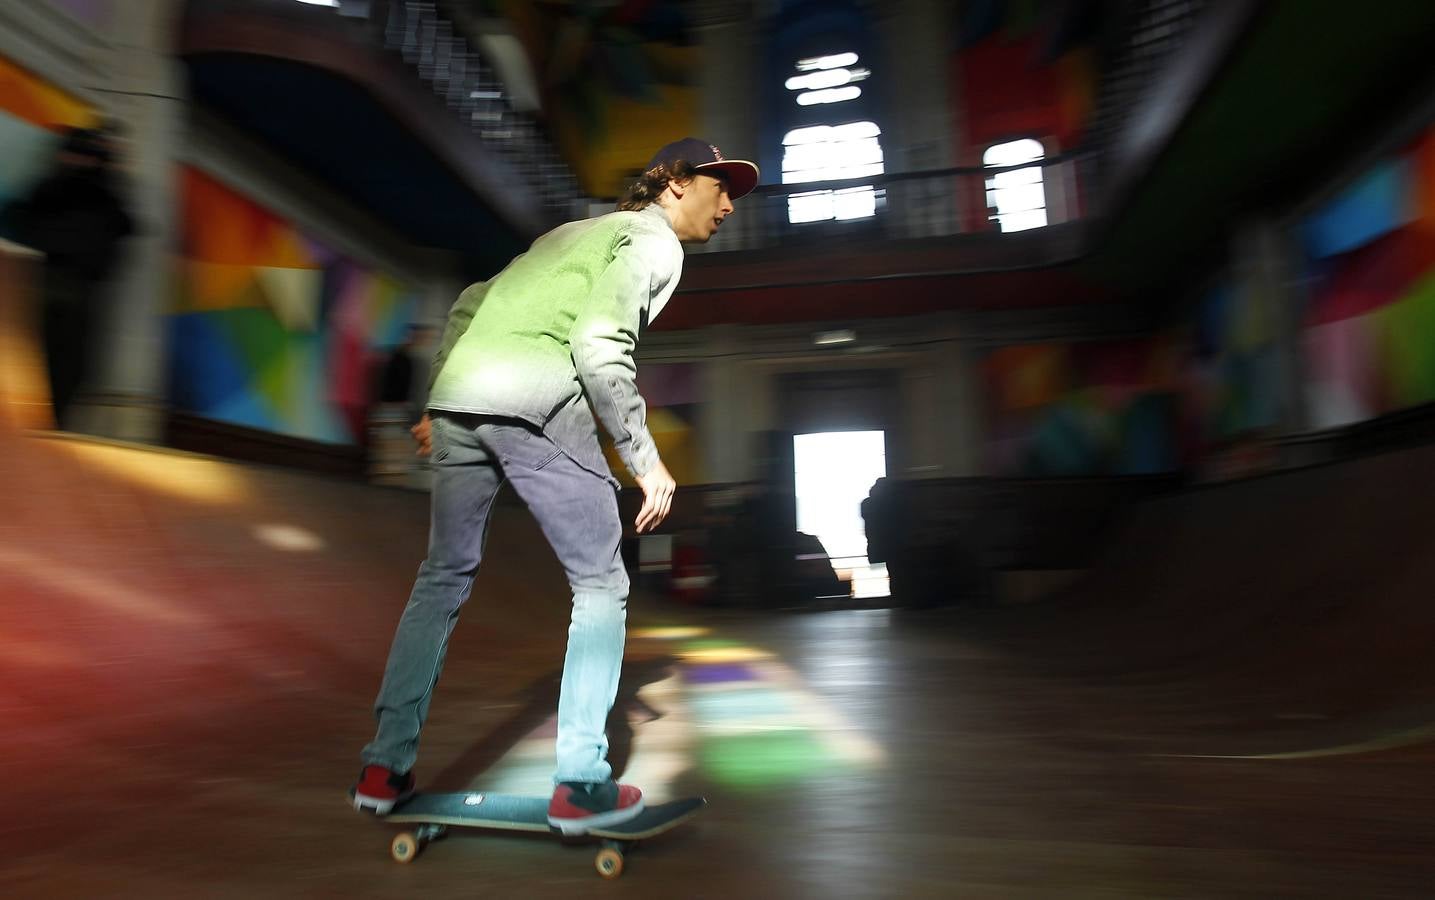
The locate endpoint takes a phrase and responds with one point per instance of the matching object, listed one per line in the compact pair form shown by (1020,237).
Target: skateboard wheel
(404,848)
(609,862)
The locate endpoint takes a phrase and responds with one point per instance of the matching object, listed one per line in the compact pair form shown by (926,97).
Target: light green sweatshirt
(554,333)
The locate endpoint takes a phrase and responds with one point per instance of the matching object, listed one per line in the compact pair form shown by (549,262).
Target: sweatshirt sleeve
(460,315)
(605,335)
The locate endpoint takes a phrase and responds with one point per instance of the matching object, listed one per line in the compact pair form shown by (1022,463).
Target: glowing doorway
(833,472)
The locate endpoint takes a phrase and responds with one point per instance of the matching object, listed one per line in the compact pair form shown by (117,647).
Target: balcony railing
(421,33)
(425,41)
(905,205)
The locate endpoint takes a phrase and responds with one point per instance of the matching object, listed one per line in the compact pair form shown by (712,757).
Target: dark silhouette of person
(395,383)
(878,519)
(76,217)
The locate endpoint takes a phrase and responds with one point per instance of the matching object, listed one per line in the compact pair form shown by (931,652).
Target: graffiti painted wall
(617,80)
(1022,69)
(1143,405)
(1369,329)
(1233,386)
(1089,408)
(270,328)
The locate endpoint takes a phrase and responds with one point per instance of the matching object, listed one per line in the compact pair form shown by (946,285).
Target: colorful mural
(1234,381)
(32,114)
(1092,408)
(616,80)
(271,329)
(1023,68)
(1369,335)
(1020,70)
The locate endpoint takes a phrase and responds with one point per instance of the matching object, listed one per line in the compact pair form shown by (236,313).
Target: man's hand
(423,434)
(658,487)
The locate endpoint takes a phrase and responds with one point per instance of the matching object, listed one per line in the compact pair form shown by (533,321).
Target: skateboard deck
(434,813)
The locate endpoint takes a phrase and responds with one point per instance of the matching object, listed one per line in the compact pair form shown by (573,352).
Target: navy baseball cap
(741,175)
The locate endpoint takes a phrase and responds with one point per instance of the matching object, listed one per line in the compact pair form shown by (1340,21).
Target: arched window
(825,152)
(1016,199)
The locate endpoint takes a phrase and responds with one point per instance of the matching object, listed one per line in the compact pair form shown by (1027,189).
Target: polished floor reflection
(190,648)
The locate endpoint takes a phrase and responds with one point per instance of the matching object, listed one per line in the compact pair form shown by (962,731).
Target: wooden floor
(189,650)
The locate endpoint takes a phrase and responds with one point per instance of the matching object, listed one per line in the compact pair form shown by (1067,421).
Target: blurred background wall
(1210,259)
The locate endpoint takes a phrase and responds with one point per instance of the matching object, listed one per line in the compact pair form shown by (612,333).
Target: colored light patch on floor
(717,655)
(661,750)
(525,769)
(745,709)
(717,673)
(711,643)
(767,758)
(743,724)
(667,633)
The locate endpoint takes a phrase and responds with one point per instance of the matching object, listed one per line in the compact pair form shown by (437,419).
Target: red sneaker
(379,790)
(577,807)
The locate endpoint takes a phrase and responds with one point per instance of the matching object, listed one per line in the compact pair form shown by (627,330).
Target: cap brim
(741,175)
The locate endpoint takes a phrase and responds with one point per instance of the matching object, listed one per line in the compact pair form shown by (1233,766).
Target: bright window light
(813,206)
(1017,197)
(833,473)
(1023,221)
(834,61)
(817,134)
(832,95)
(821,206)
(831,152)
(854,203)
(829,160)
(826,78)
(1013,153)
(816,81)
(321,2)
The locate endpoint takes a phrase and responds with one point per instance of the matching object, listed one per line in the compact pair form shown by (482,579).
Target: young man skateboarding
(523,358)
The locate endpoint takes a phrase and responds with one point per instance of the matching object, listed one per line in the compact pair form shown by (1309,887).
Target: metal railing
(904,205)
(1153,33)
(419,35)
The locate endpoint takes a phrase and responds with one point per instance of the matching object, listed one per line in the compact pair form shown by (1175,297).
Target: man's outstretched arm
(603,340)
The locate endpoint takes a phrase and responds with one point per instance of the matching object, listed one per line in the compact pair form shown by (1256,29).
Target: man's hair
(652,182)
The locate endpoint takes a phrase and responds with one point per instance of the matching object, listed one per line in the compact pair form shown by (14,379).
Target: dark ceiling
(1310,87)
(336,131)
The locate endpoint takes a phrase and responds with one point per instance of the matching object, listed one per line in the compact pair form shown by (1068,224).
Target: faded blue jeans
(577,508)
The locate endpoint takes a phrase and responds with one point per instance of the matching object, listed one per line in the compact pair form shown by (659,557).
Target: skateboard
(434,813)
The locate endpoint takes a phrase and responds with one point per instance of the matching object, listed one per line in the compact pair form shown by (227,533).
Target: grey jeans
(577,508)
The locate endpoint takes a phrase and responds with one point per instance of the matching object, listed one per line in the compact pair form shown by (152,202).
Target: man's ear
(679,186)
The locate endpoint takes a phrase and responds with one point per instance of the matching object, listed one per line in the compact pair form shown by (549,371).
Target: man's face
(701,209)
